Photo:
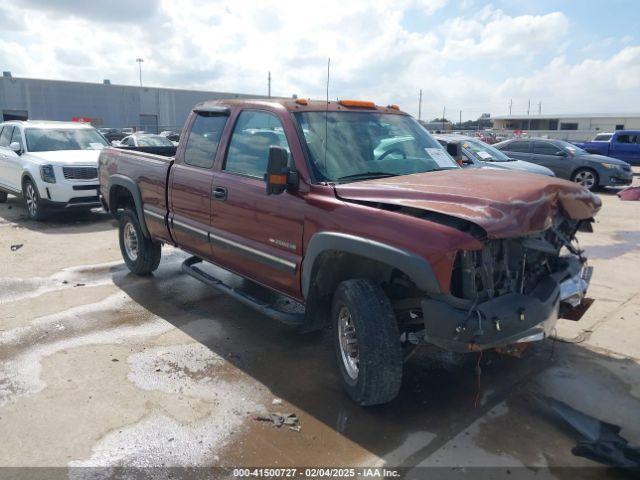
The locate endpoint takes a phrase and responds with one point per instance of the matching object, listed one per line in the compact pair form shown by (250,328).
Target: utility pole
(528,118)
(140,60)
(420,106)
(539,108)
(444,109)
(460,122)
(510,105)
(269,85)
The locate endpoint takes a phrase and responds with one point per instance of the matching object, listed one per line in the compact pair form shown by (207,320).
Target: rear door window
(5,136)
(517,146)
(203,140)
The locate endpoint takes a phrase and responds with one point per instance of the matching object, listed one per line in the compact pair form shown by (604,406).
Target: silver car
(476,153)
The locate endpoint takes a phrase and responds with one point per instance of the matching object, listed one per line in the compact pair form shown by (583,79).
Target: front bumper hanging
(507,319)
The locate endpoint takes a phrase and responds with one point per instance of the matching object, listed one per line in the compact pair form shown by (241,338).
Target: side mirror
(15,146)
(279,176)
(455,150)
(561,153)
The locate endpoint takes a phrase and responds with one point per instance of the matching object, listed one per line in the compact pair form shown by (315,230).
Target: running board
(289,318)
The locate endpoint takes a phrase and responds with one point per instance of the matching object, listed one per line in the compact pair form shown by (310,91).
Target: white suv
(52,165)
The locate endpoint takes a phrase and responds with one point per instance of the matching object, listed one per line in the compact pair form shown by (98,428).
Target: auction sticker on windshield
(484,155)
(440,157)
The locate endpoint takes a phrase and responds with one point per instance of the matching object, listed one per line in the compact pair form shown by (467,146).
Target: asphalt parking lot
(102,368)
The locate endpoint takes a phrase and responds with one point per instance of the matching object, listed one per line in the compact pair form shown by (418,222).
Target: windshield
(154,141)
(50,139)
(350,146)
(484,152)
(570,147)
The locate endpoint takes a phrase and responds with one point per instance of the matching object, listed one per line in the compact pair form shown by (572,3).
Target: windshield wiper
(367,176)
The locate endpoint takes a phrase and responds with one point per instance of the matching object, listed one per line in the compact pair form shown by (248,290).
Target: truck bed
(149,174)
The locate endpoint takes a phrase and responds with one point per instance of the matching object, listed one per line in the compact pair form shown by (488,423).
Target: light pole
(140,60)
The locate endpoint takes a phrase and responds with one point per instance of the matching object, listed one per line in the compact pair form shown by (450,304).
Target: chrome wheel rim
(348,343)
(32,200)
(586,179)
(131,241)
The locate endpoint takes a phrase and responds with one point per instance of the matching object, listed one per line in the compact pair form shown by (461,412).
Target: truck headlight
(609,165)
(47,174)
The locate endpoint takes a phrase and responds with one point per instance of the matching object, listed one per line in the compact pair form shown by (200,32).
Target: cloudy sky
(573,56)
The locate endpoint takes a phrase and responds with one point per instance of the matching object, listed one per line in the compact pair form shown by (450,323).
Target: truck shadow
(80,221)
(437,402)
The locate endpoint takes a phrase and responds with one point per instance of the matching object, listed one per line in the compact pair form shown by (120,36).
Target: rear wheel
(367,342)
(32,201)
(3,197)
(586,177)
(141,254)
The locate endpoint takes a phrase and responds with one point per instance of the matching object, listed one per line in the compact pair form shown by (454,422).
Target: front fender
(416,267)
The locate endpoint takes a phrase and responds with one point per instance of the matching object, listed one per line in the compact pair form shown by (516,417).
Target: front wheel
(33,202)
(141,254)
(586,177)
(367,342)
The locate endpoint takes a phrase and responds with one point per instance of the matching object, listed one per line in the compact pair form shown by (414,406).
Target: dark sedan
(570,162)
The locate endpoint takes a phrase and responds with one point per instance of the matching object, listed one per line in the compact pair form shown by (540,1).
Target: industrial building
(104,105)
(566,126)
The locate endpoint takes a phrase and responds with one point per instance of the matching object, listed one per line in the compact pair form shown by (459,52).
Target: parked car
(146,140)
(392,249)
(171,135)
(112,134)
(621,144)
(570,162)
(476,153)
(52,165)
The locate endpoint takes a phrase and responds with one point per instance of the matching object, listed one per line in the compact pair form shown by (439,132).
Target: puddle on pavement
(12,288)
(625,242)
(114,319)
(190,370)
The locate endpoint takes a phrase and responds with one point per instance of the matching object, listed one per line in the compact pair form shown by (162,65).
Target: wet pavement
(102,368)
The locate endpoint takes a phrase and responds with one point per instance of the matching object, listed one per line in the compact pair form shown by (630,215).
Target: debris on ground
(631,193)
(79,285)
(17,246)
(279,419)
(276,401)
(601,441)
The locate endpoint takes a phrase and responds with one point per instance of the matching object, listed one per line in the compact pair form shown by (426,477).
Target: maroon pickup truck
(357,217)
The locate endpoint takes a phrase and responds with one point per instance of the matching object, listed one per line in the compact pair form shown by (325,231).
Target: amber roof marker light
(357,103)
(302,101)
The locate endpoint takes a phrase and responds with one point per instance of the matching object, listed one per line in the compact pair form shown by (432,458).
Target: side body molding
(415,266)
(130,184)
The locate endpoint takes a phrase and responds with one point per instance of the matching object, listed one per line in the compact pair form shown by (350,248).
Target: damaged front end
(510,291)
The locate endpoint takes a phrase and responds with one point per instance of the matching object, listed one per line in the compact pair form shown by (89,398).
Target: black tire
(379,353)
(141,254)
(3,197)
(32,201)
(586,177)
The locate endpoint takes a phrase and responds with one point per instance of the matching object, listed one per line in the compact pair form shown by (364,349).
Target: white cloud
(593,85)
(493,33)
(474,62)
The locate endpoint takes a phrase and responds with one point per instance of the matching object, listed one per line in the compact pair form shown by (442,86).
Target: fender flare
(129,184)
(416,267)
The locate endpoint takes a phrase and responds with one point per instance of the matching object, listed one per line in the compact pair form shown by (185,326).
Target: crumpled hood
(504,203)
(67,157)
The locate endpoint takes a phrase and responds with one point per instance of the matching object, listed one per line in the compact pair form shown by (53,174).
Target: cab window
(253,135)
